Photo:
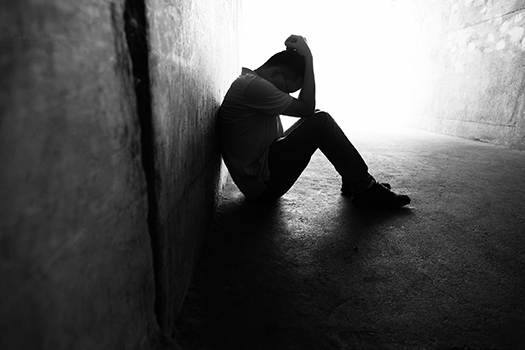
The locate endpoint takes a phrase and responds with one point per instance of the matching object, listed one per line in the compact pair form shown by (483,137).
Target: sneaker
(347,191)
(379,195)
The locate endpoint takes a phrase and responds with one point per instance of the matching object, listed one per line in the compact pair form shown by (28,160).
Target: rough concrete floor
(314,272)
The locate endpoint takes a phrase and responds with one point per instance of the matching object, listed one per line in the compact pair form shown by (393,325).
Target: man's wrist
(308,59)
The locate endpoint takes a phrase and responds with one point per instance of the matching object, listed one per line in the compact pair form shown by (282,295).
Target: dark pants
(290,155)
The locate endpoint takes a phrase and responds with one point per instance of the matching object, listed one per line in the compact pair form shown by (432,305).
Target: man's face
(285,83)
(295,85)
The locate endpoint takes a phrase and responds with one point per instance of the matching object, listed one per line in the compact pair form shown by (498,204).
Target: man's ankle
(372,182)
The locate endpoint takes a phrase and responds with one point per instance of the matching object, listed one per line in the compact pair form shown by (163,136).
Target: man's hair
(290,61)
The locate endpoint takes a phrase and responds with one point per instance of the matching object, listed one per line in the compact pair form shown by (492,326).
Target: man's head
(290,61)
(285,70)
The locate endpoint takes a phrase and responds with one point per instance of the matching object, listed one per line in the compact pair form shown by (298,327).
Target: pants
(290,155)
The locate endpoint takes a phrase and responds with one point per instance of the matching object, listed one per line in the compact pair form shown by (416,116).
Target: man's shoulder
(250,82)
(243,81)
(248,77)
(254,95)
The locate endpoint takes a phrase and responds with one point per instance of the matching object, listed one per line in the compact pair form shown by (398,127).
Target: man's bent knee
(322,118)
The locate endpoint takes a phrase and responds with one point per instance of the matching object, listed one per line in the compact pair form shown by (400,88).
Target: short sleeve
(264,97)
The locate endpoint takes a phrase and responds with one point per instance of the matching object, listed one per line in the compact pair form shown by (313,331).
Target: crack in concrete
(137,40)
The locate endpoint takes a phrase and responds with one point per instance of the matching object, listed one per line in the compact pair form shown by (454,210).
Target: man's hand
(305,104)
(298,43)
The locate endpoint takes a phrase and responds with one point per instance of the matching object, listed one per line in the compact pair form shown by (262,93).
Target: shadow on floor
(313,272)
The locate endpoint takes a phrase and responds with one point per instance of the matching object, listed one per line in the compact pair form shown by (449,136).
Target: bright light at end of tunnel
(361,49)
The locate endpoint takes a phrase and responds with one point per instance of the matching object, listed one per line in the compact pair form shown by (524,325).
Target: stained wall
(469,66)
(193,60)
(108,179)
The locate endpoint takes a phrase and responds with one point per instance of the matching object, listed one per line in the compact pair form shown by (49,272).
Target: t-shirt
(249,123)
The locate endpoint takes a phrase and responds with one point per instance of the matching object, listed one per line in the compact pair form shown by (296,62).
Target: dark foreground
(314,272)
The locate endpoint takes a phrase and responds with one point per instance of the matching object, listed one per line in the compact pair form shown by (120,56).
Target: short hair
(289,60)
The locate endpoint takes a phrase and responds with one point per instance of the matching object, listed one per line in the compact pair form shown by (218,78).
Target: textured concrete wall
(470,68)
(193,61)
(75,255)
(82,225)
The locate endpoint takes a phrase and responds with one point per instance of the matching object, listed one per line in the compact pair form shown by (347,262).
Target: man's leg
(290,155)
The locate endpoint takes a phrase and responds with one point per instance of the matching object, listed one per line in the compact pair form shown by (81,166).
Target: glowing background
(361,53)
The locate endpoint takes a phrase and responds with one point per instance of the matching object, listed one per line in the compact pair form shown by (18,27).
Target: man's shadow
(236,295)
(361,224)
(250,282)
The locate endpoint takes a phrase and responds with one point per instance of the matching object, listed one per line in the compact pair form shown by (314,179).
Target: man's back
(249,124)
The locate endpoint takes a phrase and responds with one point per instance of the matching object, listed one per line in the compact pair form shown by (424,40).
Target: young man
(263,161)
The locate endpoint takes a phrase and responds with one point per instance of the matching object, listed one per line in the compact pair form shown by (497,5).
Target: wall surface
(76,265)
(108,179)
(193,60)
(470,69)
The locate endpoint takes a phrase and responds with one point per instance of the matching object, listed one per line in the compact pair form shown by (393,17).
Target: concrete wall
(193,61)
(106,189)
(470,68)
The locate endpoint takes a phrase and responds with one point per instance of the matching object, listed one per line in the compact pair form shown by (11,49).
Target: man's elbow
(300,109)
(307,111)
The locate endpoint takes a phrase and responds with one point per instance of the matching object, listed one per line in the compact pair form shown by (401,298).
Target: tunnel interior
(115,204)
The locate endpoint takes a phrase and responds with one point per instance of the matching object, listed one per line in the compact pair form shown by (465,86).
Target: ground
(314,272)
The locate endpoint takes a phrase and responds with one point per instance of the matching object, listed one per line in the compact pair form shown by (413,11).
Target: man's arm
(305,104)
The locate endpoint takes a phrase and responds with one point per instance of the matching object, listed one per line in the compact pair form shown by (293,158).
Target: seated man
(263,162)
